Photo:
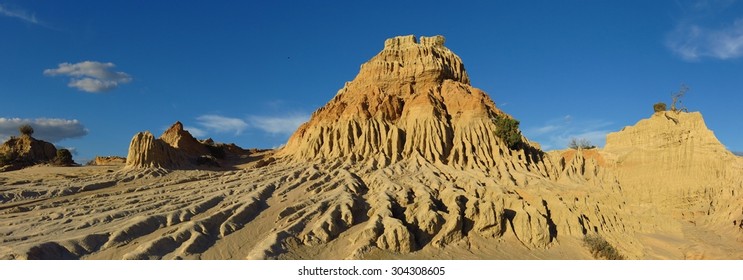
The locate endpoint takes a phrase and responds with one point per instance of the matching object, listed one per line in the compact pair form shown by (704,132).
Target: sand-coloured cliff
(673,161)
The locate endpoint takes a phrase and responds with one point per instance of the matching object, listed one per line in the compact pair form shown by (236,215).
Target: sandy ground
(104,212)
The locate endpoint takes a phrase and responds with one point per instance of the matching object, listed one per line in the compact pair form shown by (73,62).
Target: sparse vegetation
(676,104)
(6,159)
(508,130)
(63,158)
(659,107)
(600,248)
(580,144)
(26,129)
(676,98)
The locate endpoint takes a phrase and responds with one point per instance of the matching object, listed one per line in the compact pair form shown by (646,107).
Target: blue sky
(90,74)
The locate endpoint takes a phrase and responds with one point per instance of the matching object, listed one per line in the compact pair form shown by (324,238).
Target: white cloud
(278,125)
(693,42)
(221,124)
(19,14)
(545,129)
(92,85)
(556,133)
(90,76)
(206,124)
(52,130)
(195,132)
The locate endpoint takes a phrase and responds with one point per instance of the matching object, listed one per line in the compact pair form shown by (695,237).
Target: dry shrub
(600,248)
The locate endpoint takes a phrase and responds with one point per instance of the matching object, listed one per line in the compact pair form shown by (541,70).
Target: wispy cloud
(19,14)
(220,124)
(692,42)
(278,125)
(556,133)
(545,129)
(703,32)
(52,130)
(90,76)
(195,132)
(274,125)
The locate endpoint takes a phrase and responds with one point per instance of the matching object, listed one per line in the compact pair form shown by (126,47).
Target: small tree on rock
(676,97)
(659,107)
(26,129)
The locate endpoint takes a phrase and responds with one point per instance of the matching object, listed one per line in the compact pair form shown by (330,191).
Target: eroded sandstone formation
(176,148)
(413,99)
(25,151)
(108,160)
(404,161)
(422,146)
(675,162)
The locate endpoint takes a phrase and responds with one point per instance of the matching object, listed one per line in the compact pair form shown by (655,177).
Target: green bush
(659,107)
(64,158)
(600,248)
(26,130)
(508,130)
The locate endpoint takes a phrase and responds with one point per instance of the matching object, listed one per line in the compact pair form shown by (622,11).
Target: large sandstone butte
(413,99)
(404,162)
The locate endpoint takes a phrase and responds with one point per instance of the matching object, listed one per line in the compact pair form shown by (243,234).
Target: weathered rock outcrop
(25,151)
(675,162)
(149,152)
(176,148)
(412,99)
(181,139)
(423,143)
(108,160)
